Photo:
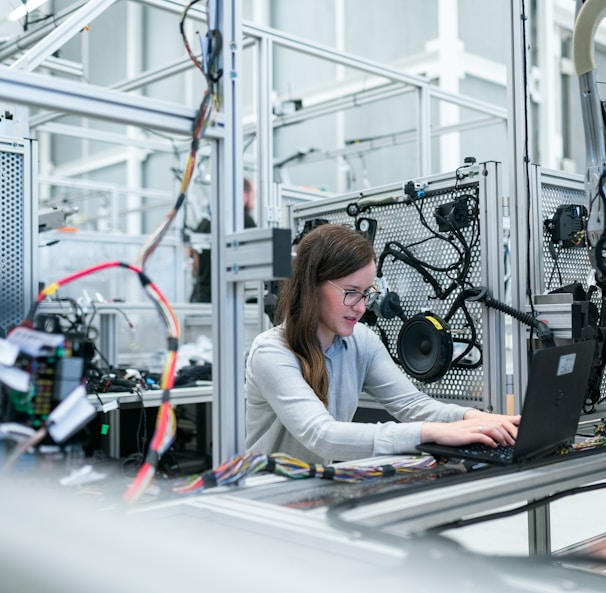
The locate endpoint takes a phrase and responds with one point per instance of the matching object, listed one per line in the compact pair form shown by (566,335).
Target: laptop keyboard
(502,453)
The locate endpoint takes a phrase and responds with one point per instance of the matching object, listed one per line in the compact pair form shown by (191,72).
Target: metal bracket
(258,254)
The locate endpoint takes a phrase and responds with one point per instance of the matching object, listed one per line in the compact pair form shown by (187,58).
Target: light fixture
(22,10)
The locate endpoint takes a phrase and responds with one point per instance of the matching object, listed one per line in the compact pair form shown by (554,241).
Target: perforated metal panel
(555,266)
(455,261)
(16,251)
(562,266)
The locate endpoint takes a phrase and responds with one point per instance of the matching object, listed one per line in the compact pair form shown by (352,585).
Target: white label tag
(8,352)
(33,342)
(15,378)
(566,364)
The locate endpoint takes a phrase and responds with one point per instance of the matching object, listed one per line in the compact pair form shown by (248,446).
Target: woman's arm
(279,400)
(443,423)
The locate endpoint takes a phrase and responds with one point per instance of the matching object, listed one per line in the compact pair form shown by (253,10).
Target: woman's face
(335,318)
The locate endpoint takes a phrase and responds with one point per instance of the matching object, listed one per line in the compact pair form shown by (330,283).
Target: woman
(304,376)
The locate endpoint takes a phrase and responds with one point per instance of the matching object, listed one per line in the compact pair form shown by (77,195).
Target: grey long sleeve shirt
(283,414)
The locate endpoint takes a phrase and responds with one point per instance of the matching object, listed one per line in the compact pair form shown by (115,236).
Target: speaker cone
(425,347)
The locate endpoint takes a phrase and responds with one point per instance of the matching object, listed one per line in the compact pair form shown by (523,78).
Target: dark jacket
(201,290)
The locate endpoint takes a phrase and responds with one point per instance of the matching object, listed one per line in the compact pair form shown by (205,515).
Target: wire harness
(165,429)
(240,466)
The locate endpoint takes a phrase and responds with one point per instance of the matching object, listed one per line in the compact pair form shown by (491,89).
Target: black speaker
(425,347)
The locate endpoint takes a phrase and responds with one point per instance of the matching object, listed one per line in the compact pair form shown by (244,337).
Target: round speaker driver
(425,347)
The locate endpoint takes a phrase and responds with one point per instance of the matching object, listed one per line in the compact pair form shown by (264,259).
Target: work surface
(388,516)
(258,535)
(416,502)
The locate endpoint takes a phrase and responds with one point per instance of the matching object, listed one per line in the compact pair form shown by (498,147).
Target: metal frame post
(519,181)
(228,217)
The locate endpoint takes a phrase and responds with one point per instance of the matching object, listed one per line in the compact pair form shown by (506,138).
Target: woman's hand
(476,427)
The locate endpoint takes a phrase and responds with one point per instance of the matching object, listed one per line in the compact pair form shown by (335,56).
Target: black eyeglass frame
(369,295)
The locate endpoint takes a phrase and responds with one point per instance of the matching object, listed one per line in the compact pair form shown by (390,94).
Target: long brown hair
(328,252)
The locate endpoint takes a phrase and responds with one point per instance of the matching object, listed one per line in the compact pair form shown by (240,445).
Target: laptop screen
(556,390)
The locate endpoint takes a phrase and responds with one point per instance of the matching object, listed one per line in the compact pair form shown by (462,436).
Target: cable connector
(415,190)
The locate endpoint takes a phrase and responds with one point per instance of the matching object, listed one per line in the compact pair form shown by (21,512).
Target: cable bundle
(211,49)
(166,425)
(166,422)
(597,440)
(238,467)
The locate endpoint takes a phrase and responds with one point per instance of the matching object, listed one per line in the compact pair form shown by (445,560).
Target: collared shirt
(283,414)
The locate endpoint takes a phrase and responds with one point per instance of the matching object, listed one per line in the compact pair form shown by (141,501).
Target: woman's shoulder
(274,336)
(269,349)
(273,333)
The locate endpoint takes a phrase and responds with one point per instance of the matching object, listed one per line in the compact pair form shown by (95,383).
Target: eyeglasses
(353,297)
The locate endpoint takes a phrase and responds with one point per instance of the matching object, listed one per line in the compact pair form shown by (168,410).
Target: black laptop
(557,384)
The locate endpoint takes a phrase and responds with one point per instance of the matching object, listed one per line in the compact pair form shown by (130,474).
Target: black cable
(407,257)
(544,332)
(463,249)
(594,389)
(521,509)
(555,255)
(524,20)
(98,398)
(472,341)
(461,266)
(98,352)
(601,243)
(457,362)
(142,426)
(465,252)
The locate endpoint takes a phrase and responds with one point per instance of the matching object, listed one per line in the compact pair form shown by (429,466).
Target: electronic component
(353,209)
(309,225)
(567,225)
(452,215)
(288,107)
(53,218)
(425,347)
(390,306)
(414,190)
(53,374)
(368,227)
(367,202)
(465,169)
